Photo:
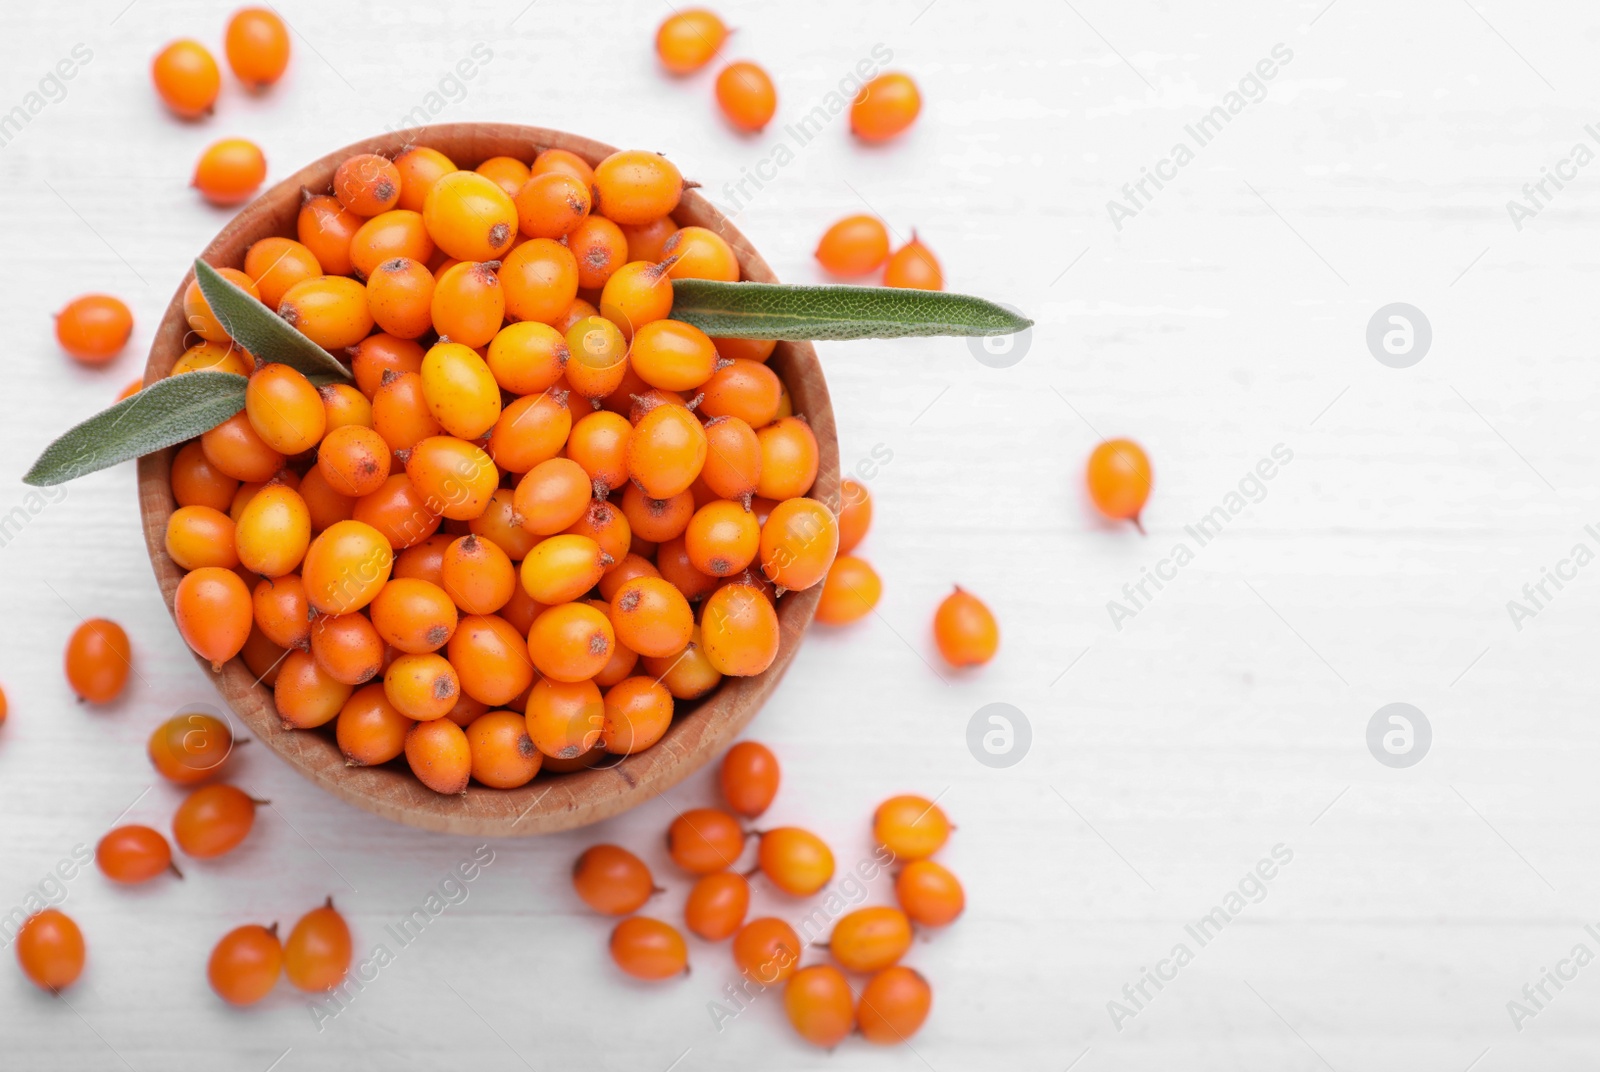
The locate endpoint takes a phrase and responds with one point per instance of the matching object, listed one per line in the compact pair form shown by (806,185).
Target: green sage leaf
(169,411)
(793,313)
(264,333)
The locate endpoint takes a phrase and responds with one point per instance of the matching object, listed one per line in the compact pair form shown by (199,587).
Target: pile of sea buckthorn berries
(487,553)
(708,844)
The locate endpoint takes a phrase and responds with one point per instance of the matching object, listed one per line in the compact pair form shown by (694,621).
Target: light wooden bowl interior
(699,733)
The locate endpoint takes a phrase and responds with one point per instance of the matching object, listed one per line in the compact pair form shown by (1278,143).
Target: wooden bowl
(698,734)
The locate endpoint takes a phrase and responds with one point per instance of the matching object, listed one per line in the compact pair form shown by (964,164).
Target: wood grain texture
(700,731)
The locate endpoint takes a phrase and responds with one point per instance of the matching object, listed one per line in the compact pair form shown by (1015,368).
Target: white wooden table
(1226,317)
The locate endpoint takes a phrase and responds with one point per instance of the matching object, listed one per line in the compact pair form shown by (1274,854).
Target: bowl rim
(547,804)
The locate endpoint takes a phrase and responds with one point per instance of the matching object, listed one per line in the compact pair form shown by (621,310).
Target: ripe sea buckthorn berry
(230,171)
(503,755)
(553,495)
(910,826)
(460,390)
(347,648)
(722,538)
(561,568)
(439,755)
(745,389)
(197,482)
(687,674)
(913,265)
(419,169)
(1119,480)
(275,264)
(965,630)
(733,459)
(686,40)
(565,718)
(599,357)
(652,617)
(636,294)
(236,449)
(666,451)
(506,172)
(50,950)
(305,695)
(605,524)
(634,186)
(717,905)
(885,106)
(766,950)
(564,162)
(740,630)
(855,245)
(414,616)
(749,778)
(870,939)
(551,205)
(478,575)
(599,443)
(345,567)
(370,730)
(424,561)
(257,47)
(528,357)
(624,660)
(328,229)
(400,297)
(672,560)
(94,328)
(571,642)
(200,536)
(796,861)
(647,241)
(422,687)
(274,531)
(672,355)
(703,840)
(540,279)
(657,520)
(789,458)
(354,460)
(491,660)
(531,430)
(263,657)
(757,350)
(466,711)
(638,711)
(190,747)
(344,406)
(470,217)
(701,254)
(187,78)
(376,354)
(214,357)
(850,592)
(929,894)
(468,304)
(649,949)
(855,513)
(246,963)
(820,1005)
(331,311)
(746,95)
(134,854)
(316,955)
(397,511)
(285,409)
(894,1005)
(501,526)
(282,612)
(400,412)
(396,233)
(212,607)
(212,820)
(798,543)
(197,311)
(367,184)
(456,478)
(631,566)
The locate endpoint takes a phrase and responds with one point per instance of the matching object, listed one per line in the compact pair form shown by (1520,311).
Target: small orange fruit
(686,40)
(94,328)
(746,95)
(187,78)
(230,171)
(885,107)
(257,47)
(965,630)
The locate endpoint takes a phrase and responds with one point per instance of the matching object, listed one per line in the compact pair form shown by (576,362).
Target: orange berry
(212,607)
(257,47)
(551,205)
(855,245)
(133,854)
(317,954)
(371,730)
(285,409)
(746,96)
(197,311)
(633,186)
(1119,479)
(910,826)
(638,711)
(400,297)
(94,328)
(344,406)
(347,648)
(214,357)
(396,233)
(855,513)
(470,217)
(527,357)
(540,278)
(798,543)
(649,949)
(400,412)
(820,1005)
(647,241)
(424,561)
(230,171)
(237,450)
(354,460)
(672,355)
(703,840)
(717,905)
(367,184)
(50,950)
(565,162)
(790,458)
(652,617)
(666,451)
(187,78)
(190,747)
(636,294)
(345,567)
(282,611)
(275,264)
(565,718)
(305,695)
(599,357)
(965,630)
(200,536)
(885,106)
(506,172)
(246,963)
(870,939)
(850,592)
(766,950)
(501,525)
(263,657)
(672,560)
(553,495)
(796,861)
(686,40)
(439,754)
(328,230)
(478,575)
(656,520)
(913,265)
(419,169)
(701,254)
(491,660)
(745,389)
(397,511)
(468,305)
(722,538)
(213,820)
(571,642)
(530,431)
(929,894)
(197,482)
(274,531)
(687,674)
(599,442)
(894,1005)
(503,756)
(331,311)
(733,459)
(605,524)
(561,568)
(413,615)
(739,630)
(422,687)
(457,385)
(749,778)
(757,350)
(455,477)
